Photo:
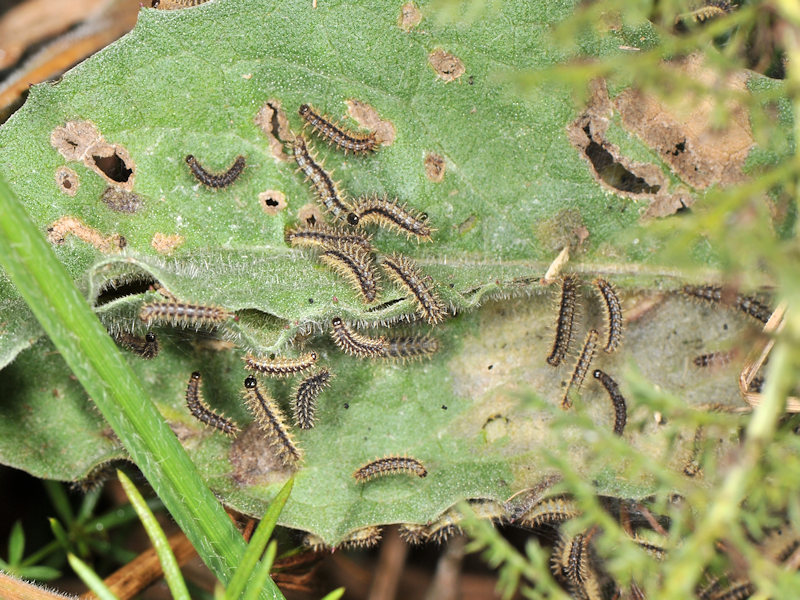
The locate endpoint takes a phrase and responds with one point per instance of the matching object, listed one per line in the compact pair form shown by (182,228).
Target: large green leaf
(515,191)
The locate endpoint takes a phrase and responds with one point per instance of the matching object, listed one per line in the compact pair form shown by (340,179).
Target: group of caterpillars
(576,566)
(567,309)
(265,410)
(567,306)
(347,252)
(717,295)
(574,561)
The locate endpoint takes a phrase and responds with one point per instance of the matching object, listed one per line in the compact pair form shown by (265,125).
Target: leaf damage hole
(310,215)
(82,141)
(60,229)
(409,17)
(686,131)
(368,117)
(166,244)
(121,200)
(114,167)
(272,201)
(435,167)
(273,123)
(613,172)
(616,172)
(67,181)
(448,66)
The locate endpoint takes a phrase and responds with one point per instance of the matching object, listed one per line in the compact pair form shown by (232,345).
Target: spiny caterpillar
(581,367)
(355,264)
(176,4)
(333,133)
(566,317)
(754,307)
(325,188)
(280,366)
(403,348)
(781,543)
(183,314)
(713,359)
(216,180)
(740,590)
(413,533)
(712,9)
(366,537)
(146,347)
(390,214)
(550,511)
(713,294)
(613,314)
(389,465)
(270,420)
(305,397)
(201,411)
(411,347)
(323,236)
(707,293)
(405,273)
(355,344)
(620,410)
(571,564)
(655,550)
(575,567)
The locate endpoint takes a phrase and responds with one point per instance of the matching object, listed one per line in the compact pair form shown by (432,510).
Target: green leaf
(60,534)
(172,572)
(16,543)
(257,544)
(515,191)
(38,572)
(90,578)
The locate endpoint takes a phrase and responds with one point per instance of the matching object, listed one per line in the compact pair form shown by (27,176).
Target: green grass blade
(88,505)
(257,543)
(16,543)
(261,572)
(172,572)
(55,491)
(335,594)
(90,578)
(94,359)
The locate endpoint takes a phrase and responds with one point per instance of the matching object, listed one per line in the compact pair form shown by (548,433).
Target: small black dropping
(452,285)
(444,407)
(490,367)
(311,301)
(346,405)
(471,80)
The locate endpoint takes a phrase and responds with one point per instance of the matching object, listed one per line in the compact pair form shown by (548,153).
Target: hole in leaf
(613,172)
(113,167)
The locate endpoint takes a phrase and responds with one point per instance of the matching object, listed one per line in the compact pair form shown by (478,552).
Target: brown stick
(390,566)
(16,589)
(143,570)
